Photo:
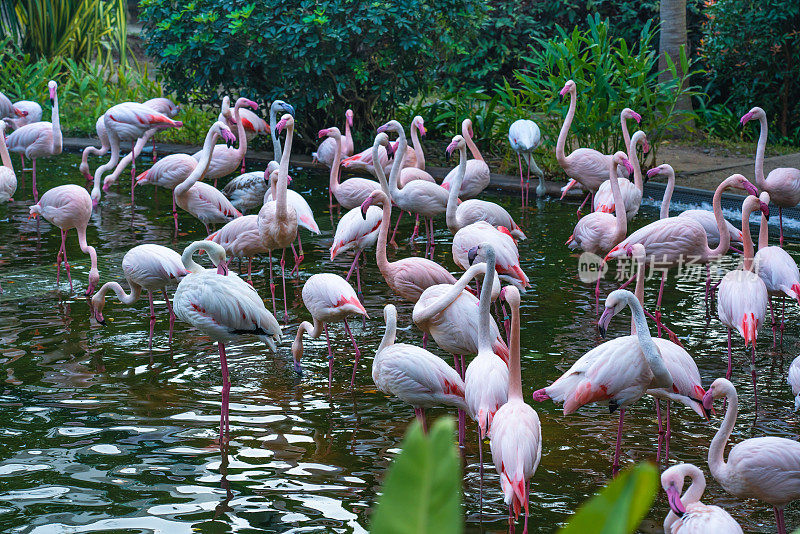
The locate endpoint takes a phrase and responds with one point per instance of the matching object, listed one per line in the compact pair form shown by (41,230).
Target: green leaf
(620,506)
(422,492)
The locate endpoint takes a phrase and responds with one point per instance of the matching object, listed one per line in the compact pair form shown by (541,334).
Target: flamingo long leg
(480,470)
(392,241)
(171,314)
(283,282)
(669,432)
(658,302)
(330,357)
(774,324)
(783,314)
(584,203)
(521,185)
(353,265)
(271,284)
(226,389)
(660,430)
(36,191)
(58,259)
(730,356)
(461,417)
(66,262)
(753,373)
(133,171)
(615,465)
(175,214)
(358,353)
(152,323)
(780,209)
(155,157)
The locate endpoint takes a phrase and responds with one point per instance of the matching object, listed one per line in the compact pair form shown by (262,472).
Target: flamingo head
(615,303)
(348,115)
(621,159)
(719,388)
(457,142)
(20,113)
(510,294)
(755,113)
(225,133)
(297,354)
(366,204)
(764,208)
(674,498)
(568,87)
(628,113)
(241,102)
(333,132)
(391,126)
(94,279)
(743,183)
(95,197)
(51,87)
(97,303)
(279,106)
(286,121)
(420,124)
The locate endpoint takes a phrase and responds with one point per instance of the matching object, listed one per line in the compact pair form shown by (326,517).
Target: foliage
(322,56)
(752,52)
(81,30)
(620,506)
(422,491)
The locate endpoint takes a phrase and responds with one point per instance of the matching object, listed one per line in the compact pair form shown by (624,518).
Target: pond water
(95,439)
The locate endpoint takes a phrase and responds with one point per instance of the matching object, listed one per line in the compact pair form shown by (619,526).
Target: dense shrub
(321,56)
(752,51)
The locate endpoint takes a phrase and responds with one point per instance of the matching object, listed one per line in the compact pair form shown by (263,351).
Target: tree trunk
(671,37)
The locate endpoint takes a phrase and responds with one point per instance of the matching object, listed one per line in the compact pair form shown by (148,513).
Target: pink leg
(480,470)
(615,465)
(730,356)
(35,191)
(584,203)
(353,265)
(660,430)
(415,233)
(242,166)
(152,322)
(528,202)
(527,489)
(669,432)
(300,256)
(358,353)
(283,282)
(224,420)
(175,214)
(521,183)
(272,284)
(658,302)
(783,314)
(296,263)
(392,241)
(461,418)
(779,520)
(154,149)
(780,210)
(774,324)
(330,358)
(511,520)
(753,373)
(360,294)
(250,270)
(59,257)
(171,315)
(66,262)
(433,241)
(133,172)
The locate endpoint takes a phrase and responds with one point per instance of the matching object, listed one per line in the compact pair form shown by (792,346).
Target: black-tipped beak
(364,212)
(602,330)
(765,210)
(288,108)
(472,254)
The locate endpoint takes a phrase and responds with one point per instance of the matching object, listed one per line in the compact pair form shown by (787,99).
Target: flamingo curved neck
(4,155)
(283,172)
(215,254)
(455,189)
(202,166)
(484,332)
(391,330)
(660,372)
(336,167)
(716,452)
(136,291)
(763,233)
(276,142)
(747,240)
(621,223)
(417,144)
(760,147)
(240,131)
(313,330)
(473,148)
(450,296)
(724,234)
(626,137)
(56,122)
(665,202)
(113,141)
(379,173)
(402,145)
(637,168)
(562,135)
(639,290)
(697,487)
(348,137)
(514,365)
(383,236)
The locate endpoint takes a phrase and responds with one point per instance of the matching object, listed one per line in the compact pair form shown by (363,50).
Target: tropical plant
(81,30)
(323,57)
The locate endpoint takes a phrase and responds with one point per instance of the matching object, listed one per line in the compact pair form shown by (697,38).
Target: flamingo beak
(746,118)
(322,133)
(637,118)
(765,210)
(383,128)
(472,254)
(708,400)
(390,151)
(605,320)
(674,498)
(366,204)
(750,188)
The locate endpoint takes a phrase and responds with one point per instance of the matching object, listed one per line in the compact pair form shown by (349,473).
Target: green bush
(752,53)
(323,57)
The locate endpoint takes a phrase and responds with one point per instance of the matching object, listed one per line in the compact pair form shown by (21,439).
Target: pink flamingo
(758,468)
(148,267)
(687,388)
(524,137)
(794,381)
(201,200)
(7,108)
(247,191)
(277,108)
(127,122)
(417,172)
(352,192)
(631,191)
(782,184)
(585,166)
(327,148)
(473,210)
(476,174)
(507,256)
(356,232)
(414,375)
(743,297)
(598,232)
(486,376)
(420,197)
(407,277)
(26,112)
(617,373)
(69,206)
(169,172)
(226,159)
(165,106)
(687,514)
(673,240)
(223,307)
(776,268)
(329,298)
(305,218)
(40,139)
(8,179)
(277,221)
(253,124)
(516,436)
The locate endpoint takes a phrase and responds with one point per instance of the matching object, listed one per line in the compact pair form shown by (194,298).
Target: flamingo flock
(485,384)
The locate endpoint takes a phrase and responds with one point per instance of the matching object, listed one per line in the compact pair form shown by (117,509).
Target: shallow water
(95,439)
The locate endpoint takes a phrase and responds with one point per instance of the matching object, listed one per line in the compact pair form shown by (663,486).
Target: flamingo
(674,240)
(507,256)
(598,232)
(278,107)
(305,218)
(758,468)
(127,122)
(329,298)
(8,179)
(27,112)
(585,166)
(105,145)
(226,159)
(782,184)
(475,175)
(794,381)
(416,172)
(277,221)
(247,191)
(353,191)
(165,106)
(704,217)
(631,191)
(687,514)
(473,210)
(743,297)
(516,435)
(69,206)
(356,232)
(420,197)
(169,172)
(407,277)
(617,373)
(223,307)
(201,200)
(253,124)
(776,268)
(39,140)
(524,137)
(414,375)
(327,148)
(149,267)
(7,108)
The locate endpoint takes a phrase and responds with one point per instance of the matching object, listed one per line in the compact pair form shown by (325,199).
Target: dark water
(94,439)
